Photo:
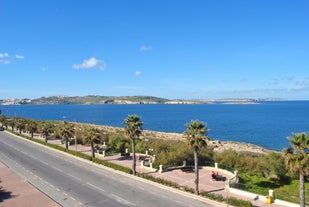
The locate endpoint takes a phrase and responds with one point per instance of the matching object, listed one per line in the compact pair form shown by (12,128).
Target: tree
(91,137)
(2,119)
(5,122)
(46,128)
(196,139)
(66,132)
(133,130)
(31,127)
(297,159)
(20,124)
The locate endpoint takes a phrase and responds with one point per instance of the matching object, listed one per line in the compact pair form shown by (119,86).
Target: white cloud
(19,57)
(5,58)
(90,63)
(145,48)
(138,73)
(4,55)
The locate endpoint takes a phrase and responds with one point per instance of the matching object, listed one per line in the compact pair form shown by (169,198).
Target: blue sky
(201,49)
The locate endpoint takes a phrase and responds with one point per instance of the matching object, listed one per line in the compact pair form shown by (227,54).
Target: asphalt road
(72,182)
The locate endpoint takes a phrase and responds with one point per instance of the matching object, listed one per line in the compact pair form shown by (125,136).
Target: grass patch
(286,189)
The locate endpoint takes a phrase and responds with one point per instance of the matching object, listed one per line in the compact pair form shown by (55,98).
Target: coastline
(217,145)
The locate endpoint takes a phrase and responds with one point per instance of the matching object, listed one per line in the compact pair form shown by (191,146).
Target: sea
(267,124)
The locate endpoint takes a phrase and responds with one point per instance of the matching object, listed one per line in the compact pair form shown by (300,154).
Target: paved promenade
(17,192)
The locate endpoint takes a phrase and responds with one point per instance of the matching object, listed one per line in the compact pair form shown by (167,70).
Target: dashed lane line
(96,187)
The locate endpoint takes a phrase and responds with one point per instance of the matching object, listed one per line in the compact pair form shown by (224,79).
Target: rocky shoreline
(215,144)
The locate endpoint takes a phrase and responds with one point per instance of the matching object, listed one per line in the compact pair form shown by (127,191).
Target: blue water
(267,124)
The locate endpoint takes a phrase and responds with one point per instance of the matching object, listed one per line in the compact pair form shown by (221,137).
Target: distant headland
(94,99)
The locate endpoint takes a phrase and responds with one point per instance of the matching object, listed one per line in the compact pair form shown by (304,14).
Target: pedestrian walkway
(14,191)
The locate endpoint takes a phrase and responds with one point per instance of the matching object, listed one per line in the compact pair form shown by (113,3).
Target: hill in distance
(95,99)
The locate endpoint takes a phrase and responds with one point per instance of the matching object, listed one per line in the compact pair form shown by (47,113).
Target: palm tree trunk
(67,145)
(196,180)
(134,158)
(46,138)
(92,151)
(301,189)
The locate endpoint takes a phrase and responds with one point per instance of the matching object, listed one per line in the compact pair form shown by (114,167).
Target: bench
(186,169)
(124,154)
(219,178)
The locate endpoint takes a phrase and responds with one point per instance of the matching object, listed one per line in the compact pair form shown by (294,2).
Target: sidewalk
(14,191)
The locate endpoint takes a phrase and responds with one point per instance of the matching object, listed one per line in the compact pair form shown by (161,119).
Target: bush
(112,165)
(239,202)
(157,180)
(119,143)
(212,196)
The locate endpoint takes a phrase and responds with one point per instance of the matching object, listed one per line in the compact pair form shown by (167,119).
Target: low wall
(262,198)
(248,194)
(285,203)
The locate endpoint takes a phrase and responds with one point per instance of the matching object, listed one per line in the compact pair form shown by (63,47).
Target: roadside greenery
(257,172)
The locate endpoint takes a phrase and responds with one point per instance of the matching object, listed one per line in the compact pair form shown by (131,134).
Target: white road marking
(121,200)
(45,163)
(57,169)
(77,178)
(96,187)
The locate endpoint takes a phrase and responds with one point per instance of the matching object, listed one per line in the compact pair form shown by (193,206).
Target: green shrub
(119,143)
(157,180)
(113,165)
(238,202)
(212,196)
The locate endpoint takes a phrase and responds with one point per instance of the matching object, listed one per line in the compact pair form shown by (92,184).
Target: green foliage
(195,135)
(228,157)
(118,143)
(141,146)
(170,153)
(273,166)
(157,180)
(113,165)
(212,196)
(239,202)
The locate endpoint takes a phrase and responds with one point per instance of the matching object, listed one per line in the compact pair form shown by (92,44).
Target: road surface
(72,182)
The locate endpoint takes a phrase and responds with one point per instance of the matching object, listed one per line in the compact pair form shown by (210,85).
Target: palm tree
(46,128)
(20,124)
(133,130)
(66,132)
(195,135)
(91,137)
(2,119)
(31,127)
(297,159)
